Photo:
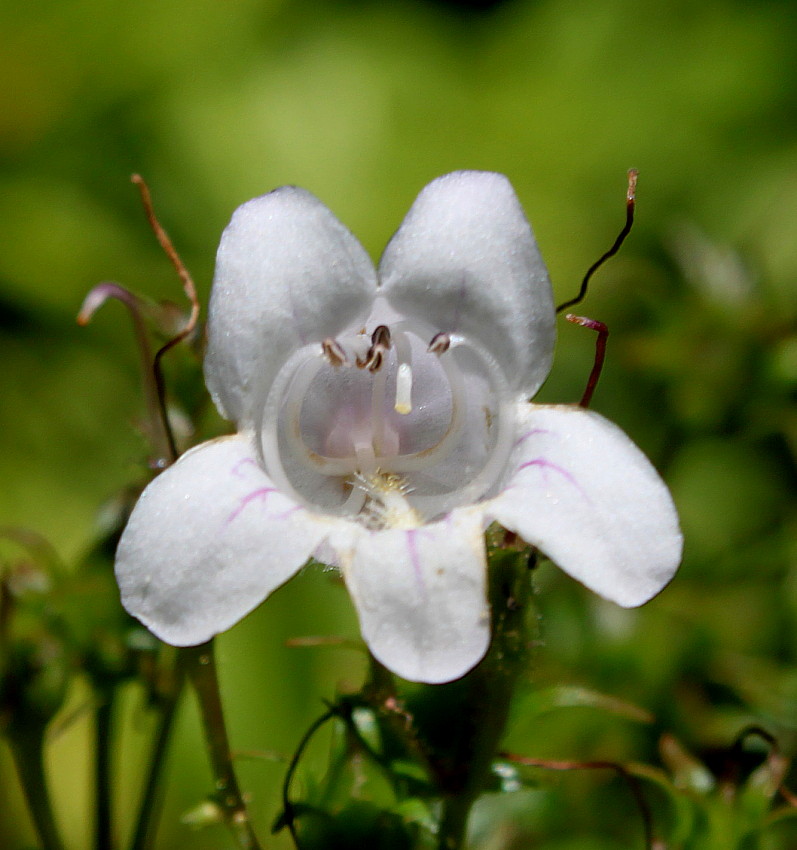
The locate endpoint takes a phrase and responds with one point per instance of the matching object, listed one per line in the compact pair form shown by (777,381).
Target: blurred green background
(363,102)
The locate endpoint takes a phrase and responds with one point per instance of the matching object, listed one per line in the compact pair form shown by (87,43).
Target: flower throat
(392,428)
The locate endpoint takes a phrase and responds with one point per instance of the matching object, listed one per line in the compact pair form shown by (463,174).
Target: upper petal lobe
(465,260)
(287,273)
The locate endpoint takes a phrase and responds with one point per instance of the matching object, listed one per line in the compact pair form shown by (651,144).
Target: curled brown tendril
(630,205)
(190,291)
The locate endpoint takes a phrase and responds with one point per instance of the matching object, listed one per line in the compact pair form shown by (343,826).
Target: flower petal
(287,273)
(209,539)
(420,595)
(465,260)
(588,498)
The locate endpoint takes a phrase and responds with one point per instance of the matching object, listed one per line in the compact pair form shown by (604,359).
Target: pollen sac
(440,343)
(380,344)
(333,351)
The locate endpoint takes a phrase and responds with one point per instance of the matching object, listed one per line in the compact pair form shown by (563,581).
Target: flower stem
(200,666)
(103,836)
(456,811)
(149,809)
(27,750)
(464,763)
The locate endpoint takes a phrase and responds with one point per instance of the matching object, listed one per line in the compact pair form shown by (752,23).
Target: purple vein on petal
(544,464)
(261,493)
(247,461)
(528,434)
(412,548)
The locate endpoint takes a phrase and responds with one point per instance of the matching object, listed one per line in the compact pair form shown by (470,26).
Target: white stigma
(403,403)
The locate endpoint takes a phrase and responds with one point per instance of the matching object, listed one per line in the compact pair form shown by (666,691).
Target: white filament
(378,412)
(497,458)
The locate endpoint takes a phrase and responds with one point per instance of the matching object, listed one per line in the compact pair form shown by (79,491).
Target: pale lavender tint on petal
(420,595)
(412,548)
(579,490)
(209,539)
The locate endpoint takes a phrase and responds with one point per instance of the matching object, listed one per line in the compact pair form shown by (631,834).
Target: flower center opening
(392,428)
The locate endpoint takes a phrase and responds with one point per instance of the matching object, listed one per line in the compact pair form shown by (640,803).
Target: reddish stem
(158,430)
(190,291)
(600,353)
(619,769)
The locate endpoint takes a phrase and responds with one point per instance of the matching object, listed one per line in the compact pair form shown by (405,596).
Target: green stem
(288,815)
(27,750)
(149,809)
(456,810)
(485,695)
(200,666)
(103,835)
(382,694)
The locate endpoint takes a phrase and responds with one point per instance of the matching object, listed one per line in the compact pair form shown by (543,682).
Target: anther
(440,343)
(380,343)
(374,361)
(381,337)
(334,353)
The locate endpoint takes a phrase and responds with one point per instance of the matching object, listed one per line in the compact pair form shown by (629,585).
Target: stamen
(375,478)
(366,457)
(440,343)
(430,506)
(294,380)
(378,387)
(376,360)
(380,343)
(354,502)
(269,424)
(295,391)
(334,353)
(381,337)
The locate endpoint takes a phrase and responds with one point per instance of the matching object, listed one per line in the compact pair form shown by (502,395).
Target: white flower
(383,423)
